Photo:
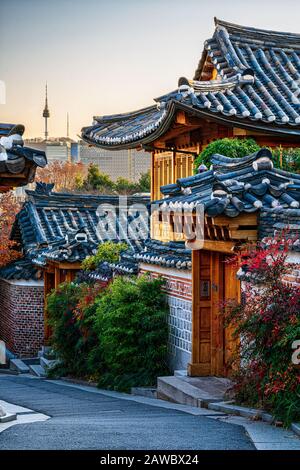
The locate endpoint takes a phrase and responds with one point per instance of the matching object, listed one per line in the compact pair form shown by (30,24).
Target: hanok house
(18,164)
(19,281)
(247,84)
(56,232)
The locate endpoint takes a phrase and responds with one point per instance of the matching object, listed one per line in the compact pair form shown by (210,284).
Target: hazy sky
(110,56)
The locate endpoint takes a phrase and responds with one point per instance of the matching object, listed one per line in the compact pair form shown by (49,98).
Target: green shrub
(96,180)
(116,336)
(131,323)
(61,304)
(108,251)
(287,158)
(234,148)
(71,311)
(145,182)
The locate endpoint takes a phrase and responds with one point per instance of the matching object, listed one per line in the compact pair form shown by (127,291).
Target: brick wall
(179,297)
(22,316)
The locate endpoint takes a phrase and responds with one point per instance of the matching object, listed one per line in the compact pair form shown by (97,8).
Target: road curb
(296,428)
(250,413)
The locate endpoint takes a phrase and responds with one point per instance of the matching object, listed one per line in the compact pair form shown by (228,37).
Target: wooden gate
(212,344)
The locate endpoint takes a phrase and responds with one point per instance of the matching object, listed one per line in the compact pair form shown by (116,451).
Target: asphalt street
(84,420)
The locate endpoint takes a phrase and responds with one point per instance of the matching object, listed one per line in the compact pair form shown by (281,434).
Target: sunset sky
(104,57)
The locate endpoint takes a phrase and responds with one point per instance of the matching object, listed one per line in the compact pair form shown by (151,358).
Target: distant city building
(129,164)
(57,149)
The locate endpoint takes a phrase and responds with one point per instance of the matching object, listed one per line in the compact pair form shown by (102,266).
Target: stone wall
(22,316)
(179,297)
(293,278)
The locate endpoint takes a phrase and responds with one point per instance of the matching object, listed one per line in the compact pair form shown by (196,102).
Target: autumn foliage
(267,323)
(66,176)
(8,210)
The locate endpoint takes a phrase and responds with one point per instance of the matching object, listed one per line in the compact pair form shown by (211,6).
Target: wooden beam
(243,234)
(185,120)
(174,132)
(220,246)
(65,265)
(242,219)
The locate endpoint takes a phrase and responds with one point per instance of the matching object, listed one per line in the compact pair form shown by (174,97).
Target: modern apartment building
(129,164)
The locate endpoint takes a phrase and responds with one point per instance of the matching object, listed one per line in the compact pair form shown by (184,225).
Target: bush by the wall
(268,321)
(71,311)
(286,158)
(234,148)
(117,336)
(131,323)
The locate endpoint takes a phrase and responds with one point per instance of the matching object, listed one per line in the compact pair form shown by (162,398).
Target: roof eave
(173,105)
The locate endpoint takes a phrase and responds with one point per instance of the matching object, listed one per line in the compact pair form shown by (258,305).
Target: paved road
(84,420)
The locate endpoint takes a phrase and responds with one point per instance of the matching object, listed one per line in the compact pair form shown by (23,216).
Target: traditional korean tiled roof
(103,273)
(257,86)
(69,227)
(21,269)
(13,154)
(166,254)
(240,185)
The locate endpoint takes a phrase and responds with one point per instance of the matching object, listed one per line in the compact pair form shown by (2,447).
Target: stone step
(30,360)
(180,373)
(47,363)
(177,390)
(19,366)
(149,392)
(37,369)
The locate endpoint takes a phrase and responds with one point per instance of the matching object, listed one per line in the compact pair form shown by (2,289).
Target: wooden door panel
(205,308)
(232,292)
(214,281)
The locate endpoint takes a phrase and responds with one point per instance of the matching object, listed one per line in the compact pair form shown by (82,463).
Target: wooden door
(213,281)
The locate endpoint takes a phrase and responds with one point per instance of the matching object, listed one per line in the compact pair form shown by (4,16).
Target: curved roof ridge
(233,28)
(223,160)
(117,117)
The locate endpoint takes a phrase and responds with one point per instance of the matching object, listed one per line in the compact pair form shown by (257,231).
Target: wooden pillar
(69,276)
(152,174)
(174,170)
(57,277)
(201,314)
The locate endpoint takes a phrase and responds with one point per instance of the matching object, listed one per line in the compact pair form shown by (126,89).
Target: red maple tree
(9,207)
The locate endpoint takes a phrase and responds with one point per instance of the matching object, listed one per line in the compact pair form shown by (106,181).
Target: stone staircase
(37,366)
(193,391)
